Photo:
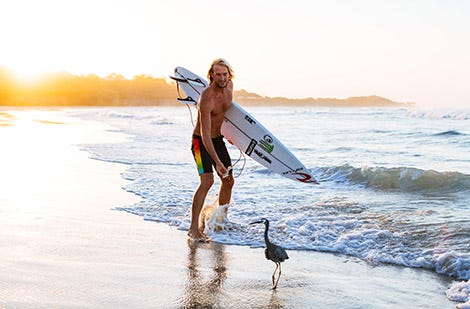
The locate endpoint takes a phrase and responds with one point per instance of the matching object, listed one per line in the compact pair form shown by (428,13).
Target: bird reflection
(206,274)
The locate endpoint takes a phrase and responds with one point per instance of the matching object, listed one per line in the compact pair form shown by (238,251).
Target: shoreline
(63,244)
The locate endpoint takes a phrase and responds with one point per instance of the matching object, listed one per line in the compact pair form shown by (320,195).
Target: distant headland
(64,89)
(245,97)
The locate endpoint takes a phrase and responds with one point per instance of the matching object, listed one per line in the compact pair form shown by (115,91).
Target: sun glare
(28,74)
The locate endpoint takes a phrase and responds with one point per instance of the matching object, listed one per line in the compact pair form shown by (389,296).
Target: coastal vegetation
(65,89)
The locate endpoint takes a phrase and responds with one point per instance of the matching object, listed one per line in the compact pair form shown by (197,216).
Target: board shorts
(202,158)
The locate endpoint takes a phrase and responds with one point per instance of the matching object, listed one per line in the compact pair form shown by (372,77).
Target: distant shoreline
(67,90)
(244,97)
(351,102)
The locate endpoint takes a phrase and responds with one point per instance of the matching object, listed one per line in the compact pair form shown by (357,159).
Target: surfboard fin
(187,100)
(183,79)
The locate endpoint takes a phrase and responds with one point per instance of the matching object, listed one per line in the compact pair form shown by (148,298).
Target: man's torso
(219,103)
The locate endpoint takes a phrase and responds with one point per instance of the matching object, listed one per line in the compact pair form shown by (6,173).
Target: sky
(404,50)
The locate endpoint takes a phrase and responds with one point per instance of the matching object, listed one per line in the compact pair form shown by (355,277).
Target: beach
(63,244)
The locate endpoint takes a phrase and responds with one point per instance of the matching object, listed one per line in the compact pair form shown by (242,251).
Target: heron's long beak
(256,222)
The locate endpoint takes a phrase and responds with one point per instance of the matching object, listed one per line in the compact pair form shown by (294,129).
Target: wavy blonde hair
(220,61)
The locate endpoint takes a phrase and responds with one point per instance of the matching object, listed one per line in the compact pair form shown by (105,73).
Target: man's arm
(205,109)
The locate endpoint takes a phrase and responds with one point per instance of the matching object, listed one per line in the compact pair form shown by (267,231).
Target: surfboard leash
(180,98)
(238,160)
(188,99)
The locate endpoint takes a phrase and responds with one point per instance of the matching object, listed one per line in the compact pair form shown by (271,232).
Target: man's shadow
(206,271)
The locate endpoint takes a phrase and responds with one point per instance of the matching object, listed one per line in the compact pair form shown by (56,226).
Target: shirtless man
(208,147)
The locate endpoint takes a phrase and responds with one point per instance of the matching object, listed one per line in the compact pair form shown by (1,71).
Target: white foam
(454,114)
(460,292)
(215,218)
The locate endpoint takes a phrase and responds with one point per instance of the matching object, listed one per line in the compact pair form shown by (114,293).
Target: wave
(440,114)
(449,133)
(116,114)
(407,179)
(389,247)
(134,163)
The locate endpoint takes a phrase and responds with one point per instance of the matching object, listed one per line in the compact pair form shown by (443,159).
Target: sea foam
(460,292)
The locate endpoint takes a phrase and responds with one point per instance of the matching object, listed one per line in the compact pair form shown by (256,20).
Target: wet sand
(62,244)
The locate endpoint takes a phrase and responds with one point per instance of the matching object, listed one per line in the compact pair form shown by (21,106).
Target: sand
(62,244)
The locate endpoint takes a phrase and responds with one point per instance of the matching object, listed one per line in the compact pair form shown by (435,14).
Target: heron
(273,252)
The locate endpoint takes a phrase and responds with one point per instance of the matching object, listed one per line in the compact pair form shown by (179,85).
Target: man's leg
(225,193)
(199,197)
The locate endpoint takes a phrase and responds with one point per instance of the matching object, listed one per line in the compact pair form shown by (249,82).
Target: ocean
(394,183)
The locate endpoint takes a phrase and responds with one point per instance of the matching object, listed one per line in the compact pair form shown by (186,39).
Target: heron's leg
(278,276)
(273,277)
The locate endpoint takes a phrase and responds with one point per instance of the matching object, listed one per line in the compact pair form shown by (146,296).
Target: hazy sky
(409,50)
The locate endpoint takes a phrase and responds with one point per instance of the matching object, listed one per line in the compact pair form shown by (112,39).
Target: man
(208,147)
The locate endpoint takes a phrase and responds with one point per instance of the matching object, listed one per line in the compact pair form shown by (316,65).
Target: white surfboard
(245,132)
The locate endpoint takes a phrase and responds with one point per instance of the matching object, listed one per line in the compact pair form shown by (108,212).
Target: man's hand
(220,169)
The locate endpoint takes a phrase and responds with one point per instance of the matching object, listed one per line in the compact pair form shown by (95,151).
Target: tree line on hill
(65,89)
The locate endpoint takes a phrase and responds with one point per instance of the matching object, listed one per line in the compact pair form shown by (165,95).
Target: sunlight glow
(36,136)
(402,50)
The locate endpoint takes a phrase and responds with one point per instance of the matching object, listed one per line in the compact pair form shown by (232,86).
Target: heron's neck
(266,238)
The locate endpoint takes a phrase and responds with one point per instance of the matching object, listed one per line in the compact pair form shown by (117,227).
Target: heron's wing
(281,254)
(266,254)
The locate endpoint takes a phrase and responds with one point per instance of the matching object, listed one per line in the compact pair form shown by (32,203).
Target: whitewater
(394,183)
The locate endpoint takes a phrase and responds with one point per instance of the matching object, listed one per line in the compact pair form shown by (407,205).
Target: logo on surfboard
(249,119)
(267,143)
(306,178)
(251,146)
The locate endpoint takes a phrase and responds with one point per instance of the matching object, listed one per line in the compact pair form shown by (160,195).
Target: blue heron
(273,252)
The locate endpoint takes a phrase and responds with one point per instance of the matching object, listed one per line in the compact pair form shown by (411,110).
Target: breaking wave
(405,179)
(456,114)
(449,133)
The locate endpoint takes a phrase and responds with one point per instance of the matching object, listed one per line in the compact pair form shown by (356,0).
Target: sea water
(394,183)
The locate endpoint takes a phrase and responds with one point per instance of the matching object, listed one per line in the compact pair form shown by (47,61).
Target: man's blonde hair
(220,61)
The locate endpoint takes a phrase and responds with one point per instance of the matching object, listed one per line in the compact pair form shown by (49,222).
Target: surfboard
(241,129)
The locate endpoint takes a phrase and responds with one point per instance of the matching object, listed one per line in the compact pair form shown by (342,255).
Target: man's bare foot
(199,237)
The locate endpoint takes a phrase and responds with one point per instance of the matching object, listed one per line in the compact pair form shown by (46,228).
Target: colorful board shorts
(203,160)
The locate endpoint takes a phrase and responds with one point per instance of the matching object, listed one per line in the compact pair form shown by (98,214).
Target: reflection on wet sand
(6,119)
(206,285)
(48,121)
(206,274)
